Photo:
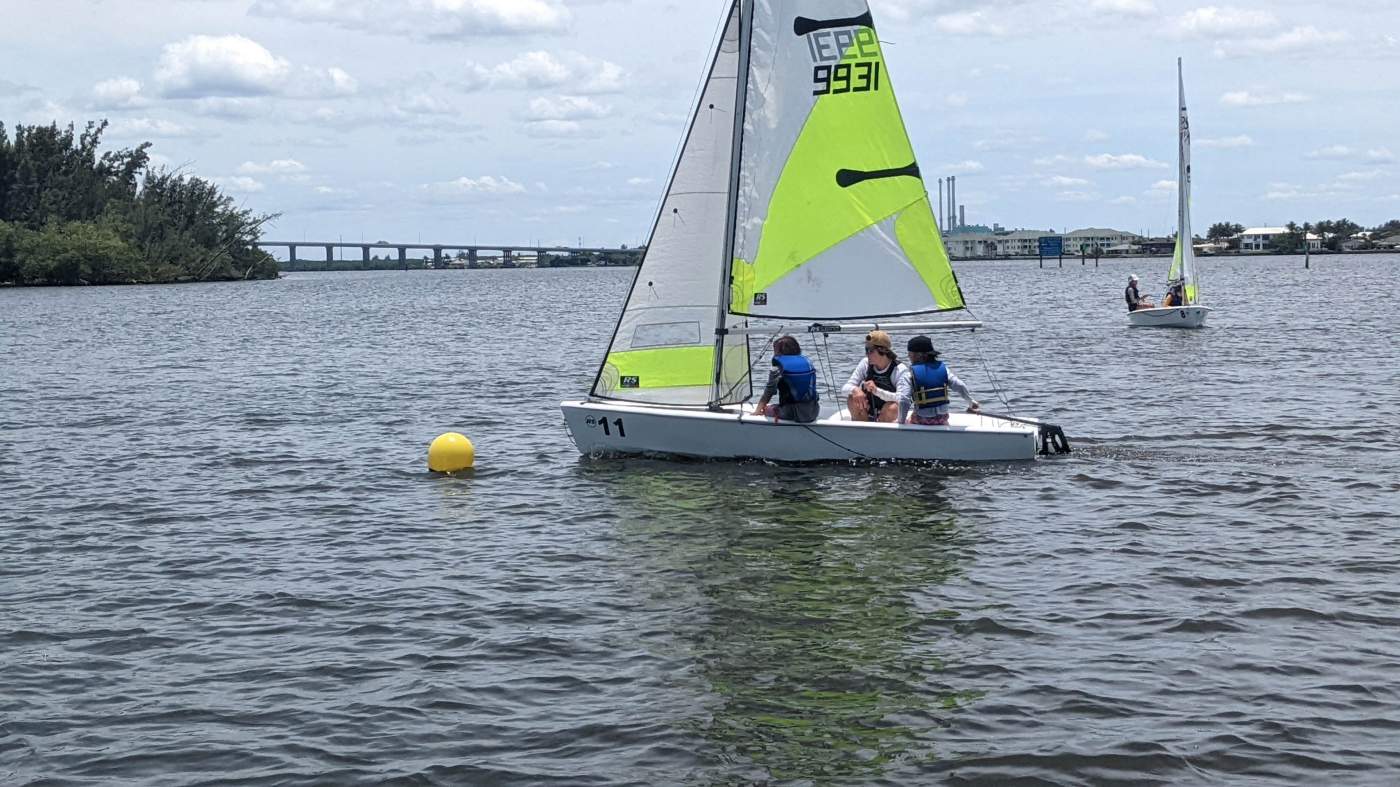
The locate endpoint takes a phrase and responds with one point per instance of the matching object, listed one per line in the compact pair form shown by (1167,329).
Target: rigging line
(987,369)
(826,369)
(838,445)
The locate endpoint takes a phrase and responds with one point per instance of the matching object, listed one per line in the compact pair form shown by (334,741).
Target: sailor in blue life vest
(923,393)
(794,381)
(872,393)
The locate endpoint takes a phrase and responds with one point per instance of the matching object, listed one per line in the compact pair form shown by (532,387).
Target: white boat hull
(1172,317)
(603,428)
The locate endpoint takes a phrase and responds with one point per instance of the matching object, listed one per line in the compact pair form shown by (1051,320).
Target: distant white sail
(1183,268)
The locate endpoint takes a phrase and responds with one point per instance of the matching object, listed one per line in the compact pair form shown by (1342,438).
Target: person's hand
(868,386)
(974,408)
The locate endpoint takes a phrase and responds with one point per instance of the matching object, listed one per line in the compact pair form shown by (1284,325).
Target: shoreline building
(1262,239)
(969,243)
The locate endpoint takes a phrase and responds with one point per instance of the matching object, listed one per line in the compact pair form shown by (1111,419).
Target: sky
(557,121)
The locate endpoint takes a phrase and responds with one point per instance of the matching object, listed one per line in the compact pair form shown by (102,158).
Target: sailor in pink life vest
(923,392)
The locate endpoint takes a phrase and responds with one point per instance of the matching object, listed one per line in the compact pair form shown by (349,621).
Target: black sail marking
(846,178)
(803,26)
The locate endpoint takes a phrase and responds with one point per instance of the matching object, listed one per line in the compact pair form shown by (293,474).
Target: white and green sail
(834,221)
(1183,270)
(796,197)
(663,350)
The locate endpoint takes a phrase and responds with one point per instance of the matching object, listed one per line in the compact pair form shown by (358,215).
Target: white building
(1262,238)
(1086,240)
(1026,243)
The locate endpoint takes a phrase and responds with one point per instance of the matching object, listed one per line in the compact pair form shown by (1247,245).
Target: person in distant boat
(1176,296)
(923,396)
(794,382)
(872,393)
(1133,297)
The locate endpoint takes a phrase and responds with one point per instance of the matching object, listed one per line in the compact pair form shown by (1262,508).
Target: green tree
(1223,230)
(70,214)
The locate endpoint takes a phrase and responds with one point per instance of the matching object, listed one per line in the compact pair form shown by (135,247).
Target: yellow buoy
(451,452)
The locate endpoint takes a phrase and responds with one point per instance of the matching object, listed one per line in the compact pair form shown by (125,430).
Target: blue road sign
(1052,245)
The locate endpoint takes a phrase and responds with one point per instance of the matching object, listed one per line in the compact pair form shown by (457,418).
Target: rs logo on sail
(845,54)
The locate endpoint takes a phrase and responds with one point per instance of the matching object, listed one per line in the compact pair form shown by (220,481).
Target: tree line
(1333,233)
(70,214)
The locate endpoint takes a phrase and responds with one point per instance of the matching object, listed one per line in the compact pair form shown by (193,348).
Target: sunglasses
(880,350)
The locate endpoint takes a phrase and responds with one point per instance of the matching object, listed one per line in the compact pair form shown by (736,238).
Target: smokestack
(962,215)
(953,201)
(942,219)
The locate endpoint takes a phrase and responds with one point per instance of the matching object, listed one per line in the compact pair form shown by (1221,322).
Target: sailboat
(1183,277)
(795,206)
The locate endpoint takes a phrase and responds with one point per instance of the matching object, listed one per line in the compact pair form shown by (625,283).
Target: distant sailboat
(1183,277)
(796,205)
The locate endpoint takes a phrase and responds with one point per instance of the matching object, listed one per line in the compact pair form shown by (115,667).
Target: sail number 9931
(859,77)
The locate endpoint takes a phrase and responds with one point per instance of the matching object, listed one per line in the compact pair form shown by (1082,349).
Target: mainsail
(663,350)
(1183,270)
(796,197)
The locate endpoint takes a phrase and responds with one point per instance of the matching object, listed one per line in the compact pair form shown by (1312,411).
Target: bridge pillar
(471,258)
(437,256)
(403,257)
(330,253)
(507,258)
(364,253)
(291,254)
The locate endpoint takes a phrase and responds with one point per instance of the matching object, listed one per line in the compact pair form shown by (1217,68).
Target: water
(223,561)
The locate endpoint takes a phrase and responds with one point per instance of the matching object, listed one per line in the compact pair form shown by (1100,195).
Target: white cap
(1132,277)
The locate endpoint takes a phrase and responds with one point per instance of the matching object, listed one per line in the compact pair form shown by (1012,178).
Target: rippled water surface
(223,559)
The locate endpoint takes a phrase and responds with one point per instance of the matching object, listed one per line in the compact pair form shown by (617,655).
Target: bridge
(477,256)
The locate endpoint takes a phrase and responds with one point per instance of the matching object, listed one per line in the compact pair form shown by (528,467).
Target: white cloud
(1244,98)
(426,18)
(1337,152)
(969,23)
(543,70)
(1345,153)
(956,99)
(118,93)
(1228,21)
(1076,196)
(1161,186)
(1241,141)
(552,129)
(482,186)
(229,108)
(324,83)
(566,108)
(1124,201)
(1297,39)
(1359,176)
(1123,161)
(235,66)
(1124,7)
(1060,181)
(282,166)
(963,167)
(148,127)
(239,184)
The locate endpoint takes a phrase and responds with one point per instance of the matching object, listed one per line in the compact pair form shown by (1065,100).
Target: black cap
(921,344)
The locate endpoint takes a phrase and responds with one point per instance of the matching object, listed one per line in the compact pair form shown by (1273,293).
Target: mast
(741,90)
